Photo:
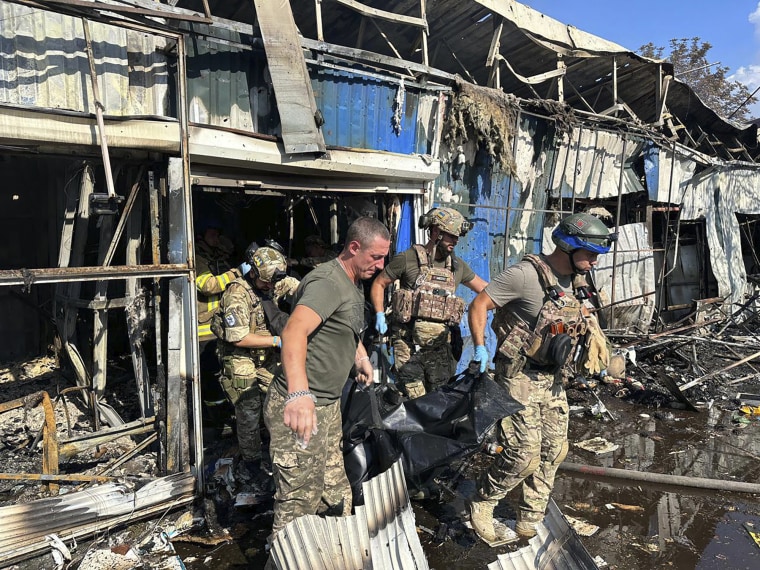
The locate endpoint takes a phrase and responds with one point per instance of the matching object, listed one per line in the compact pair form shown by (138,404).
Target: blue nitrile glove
(244,268)
(380,325)
(481,355)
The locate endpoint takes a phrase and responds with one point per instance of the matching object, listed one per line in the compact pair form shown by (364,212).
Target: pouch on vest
(216,325)
(427,333)
(402,305)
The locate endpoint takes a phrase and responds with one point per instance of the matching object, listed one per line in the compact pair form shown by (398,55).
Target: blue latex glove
(481,355)
(244,268)
(380,325)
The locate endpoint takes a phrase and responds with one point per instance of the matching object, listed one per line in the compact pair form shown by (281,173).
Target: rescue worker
(249,347)
(213,274)
(425,305)
(543,331)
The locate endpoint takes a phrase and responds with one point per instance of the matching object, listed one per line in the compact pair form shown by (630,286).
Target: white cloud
(750,76)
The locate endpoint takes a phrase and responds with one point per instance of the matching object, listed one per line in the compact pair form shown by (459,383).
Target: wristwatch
(295,395)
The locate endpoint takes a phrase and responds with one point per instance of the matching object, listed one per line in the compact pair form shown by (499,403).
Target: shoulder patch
(229,320)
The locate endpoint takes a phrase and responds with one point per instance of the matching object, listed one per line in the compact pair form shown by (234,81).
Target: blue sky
(732,27)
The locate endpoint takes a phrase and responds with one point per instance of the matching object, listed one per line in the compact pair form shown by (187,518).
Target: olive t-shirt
(405,266)
(520,287)
(331,348)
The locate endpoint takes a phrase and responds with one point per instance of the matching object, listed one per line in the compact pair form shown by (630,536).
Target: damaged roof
(531,50)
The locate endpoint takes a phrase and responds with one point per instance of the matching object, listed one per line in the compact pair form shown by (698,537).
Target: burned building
(127,125)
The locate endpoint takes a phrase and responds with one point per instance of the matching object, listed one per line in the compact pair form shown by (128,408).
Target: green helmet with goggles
(447,219)
(267,264)
(583,231)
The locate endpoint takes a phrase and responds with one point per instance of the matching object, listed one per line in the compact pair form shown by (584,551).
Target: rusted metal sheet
(132,66)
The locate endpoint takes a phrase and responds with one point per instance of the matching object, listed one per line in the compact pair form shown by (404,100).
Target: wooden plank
(383,15)
(290,77)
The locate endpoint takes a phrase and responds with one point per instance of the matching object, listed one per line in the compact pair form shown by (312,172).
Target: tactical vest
(560,328)
(433,297)
(257,325)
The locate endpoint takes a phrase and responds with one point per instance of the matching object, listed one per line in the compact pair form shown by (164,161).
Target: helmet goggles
(593,243)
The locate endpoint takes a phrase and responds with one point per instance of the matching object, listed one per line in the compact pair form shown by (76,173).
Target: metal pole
(617,229)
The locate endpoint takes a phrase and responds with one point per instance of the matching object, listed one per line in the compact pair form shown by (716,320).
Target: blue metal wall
(359,112)
(498,205)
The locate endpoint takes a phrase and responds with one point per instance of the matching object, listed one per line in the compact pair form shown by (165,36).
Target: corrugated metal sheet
(717,195)
(382,534)
(219,86)
(556,546)
(369,112)
(668,173)
(44,64)
(589,162)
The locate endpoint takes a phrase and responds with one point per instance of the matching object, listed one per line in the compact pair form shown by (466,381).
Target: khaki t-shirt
(405,266)
(331,350)
(520,287)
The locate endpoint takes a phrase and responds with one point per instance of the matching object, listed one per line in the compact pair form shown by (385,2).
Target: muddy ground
(640,525)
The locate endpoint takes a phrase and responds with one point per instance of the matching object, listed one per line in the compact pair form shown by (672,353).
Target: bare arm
(299,413)
(257,341)
(477,315)
(364,371)
(377,292)
(476,284)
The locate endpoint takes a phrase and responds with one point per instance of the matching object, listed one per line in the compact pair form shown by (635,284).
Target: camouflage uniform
(312,480)
(534,439)
(245,371)
(422,341)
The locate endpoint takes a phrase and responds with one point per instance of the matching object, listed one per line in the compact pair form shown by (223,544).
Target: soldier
(542,330)
(316,251)
(249,344)
(213,274)
(425,305)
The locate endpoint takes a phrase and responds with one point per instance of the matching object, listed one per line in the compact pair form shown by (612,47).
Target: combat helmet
(448,220)
(267,263)
(583,231)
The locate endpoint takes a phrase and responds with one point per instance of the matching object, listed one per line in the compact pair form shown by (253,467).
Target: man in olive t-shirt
(320,345)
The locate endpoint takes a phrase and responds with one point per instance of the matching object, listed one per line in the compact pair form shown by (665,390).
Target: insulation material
(486,115)
(717,196)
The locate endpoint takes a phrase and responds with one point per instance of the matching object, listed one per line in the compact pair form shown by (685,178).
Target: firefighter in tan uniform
(249,346)
(425,305)
(544,332)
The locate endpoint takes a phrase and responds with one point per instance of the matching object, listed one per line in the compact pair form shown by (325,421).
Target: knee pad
(561,454)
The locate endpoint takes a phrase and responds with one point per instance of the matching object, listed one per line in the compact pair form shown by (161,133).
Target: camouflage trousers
(534,442)
(307,481)
(423,370)
(248,406)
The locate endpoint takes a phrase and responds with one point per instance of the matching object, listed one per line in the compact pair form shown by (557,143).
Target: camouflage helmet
(448,220)
(583,231)
(267,264)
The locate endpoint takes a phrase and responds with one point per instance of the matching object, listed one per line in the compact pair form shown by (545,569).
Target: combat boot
(525,529)
(481,517)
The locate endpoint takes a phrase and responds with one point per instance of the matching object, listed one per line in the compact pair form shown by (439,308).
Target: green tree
(709,82)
